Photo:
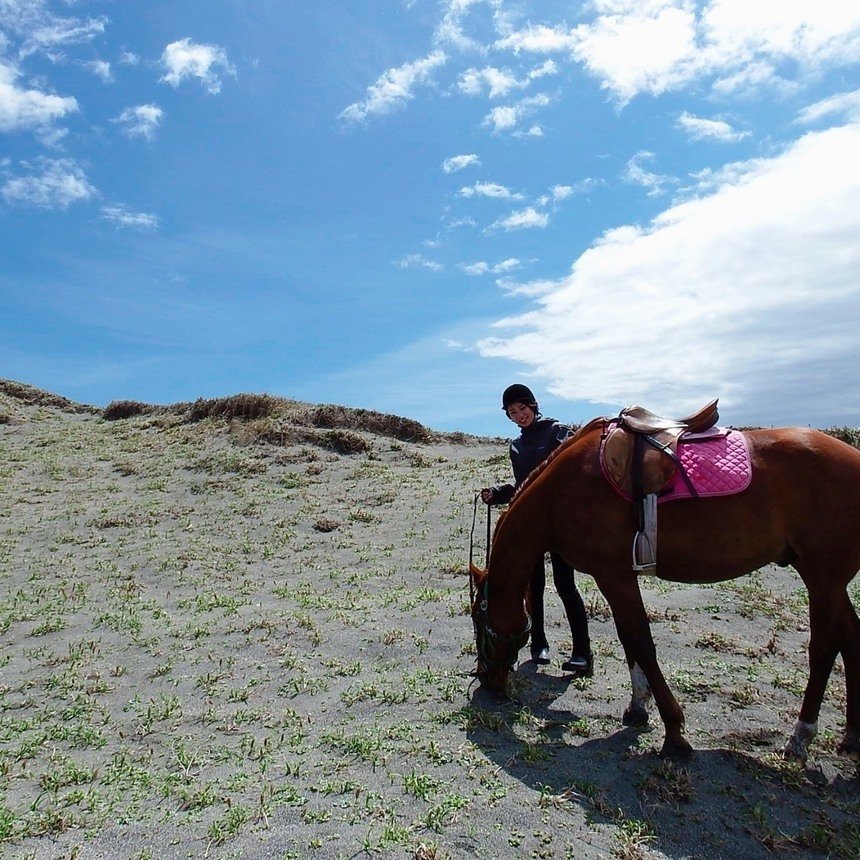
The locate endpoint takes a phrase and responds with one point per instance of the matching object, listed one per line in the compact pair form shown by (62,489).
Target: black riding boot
(539,645)
(581,661)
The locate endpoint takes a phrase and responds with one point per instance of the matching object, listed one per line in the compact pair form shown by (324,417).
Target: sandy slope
(190,665)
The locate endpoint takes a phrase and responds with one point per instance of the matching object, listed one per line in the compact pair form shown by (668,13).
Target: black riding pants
(562,575)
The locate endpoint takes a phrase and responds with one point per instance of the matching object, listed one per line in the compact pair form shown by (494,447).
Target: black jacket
(528,451)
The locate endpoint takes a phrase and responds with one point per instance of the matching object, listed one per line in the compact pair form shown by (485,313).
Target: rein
(472,587)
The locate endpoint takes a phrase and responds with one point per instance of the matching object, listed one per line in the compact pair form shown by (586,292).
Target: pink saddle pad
(717,463)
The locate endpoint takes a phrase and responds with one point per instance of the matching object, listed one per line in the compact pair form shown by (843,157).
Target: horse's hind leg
(826,618)
(850,648)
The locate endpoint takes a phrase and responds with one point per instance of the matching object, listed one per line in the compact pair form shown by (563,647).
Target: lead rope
(472,588)
(487,550)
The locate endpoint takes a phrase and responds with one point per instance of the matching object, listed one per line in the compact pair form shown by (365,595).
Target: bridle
(488,643)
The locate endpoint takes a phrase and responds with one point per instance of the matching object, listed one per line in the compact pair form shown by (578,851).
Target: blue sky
(407,205)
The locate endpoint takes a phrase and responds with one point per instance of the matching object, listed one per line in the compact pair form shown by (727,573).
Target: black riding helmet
(518,393)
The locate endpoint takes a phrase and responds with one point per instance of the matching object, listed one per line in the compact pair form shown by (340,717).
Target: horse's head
(497,653)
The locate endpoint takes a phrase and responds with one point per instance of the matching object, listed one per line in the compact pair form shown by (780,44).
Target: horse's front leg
(631,621)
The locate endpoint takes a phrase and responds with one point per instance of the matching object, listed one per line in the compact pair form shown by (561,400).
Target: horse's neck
(518,547)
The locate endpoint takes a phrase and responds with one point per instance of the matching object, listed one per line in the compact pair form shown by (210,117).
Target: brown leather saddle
(639,452)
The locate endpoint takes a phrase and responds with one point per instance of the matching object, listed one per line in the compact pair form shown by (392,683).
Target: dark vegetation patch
(243,406)
(324,524)
(119,409)
(391,426)
(284,434)
(851,435)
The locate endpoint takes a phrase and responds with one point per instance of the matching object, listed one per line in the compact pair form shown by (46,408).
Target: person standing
(538,437)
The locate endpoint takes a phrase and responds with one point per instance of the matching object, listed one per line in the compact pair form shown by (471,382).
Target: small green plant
(229,824)
(7,823)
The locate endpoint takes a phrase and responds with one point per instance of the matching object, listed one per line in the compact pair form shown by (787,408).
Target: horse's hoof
(676,749)
(797,747)
(850,746)
(795,751)
(635,716)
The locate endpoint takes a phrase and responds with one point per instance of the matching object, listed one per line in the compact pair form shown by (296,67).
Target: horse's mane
(556,452)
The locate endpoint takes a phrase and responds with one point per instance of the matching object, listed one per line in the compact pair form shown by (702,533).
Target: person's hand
(487,496)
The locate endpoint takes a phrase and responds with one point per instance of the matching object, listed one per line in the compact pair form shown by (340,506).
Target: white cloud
(662,45)
(499,82)
(41,31)
(708,180)
(539,287)
(476,269)
(394,88)
(506,266)
(55,184)
(187,59)
(699,128)
(450,30)
(642,47)
(750,294)
(507,117)
(525,219)
(534,131)
(459,162)
(809,33)
(461,222)
(561,192)
(542,71)
(752,77)
(538,39)
(483,268)
(489,189)
(140,121)
(841,104)
(28,108)
(122,217)
(418,261)
(101,69)
(638,175)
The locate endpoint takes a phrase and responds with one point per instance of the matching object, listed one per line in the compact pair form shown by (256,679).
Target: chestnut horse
(802,508)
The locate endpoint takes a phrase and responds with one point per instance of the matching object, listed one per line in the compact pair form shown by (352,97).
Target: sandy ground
(210,647)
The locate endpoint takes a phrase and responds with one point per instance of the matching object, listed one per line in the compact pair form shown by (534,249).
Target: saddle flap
(617,459)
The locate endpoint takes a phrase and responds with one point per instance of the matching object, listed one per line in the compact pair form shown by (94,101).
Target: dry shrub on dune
(284,434)
(31,396)
(237,406)
(392,426)
(120,409)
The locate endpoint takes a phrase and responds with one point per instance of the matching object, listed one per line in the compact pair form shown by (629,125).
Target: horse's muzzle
(493,678)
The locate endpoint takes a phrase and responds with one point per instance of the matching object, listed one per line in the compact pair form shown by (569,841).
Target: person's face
(521,415)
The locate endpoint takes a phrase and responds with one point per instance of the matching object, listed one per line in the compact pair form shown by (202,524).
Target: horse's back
(801,451)
(811,482)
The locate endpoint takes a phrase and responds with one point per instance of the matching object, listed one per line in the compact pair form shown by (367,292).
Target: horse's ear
(477,573)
